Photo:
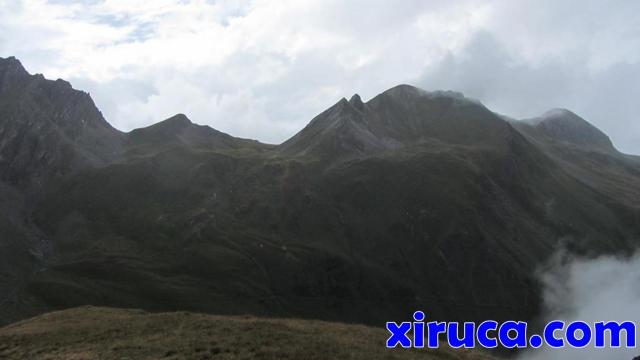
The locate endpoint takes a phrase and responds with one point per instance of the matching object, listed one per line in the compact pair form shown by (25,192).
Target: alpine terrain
(411,200)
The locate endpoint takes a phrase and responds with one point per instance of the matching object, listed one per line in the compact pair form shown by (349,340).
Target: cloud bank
(601,289)
(262,69)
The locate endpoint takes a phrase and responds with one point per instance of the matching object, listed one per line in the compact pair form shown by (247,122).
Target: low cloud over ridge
(263,69)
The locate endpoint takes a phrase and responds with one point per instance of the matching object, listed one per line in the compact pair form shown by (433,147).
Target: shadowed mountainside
(412,200)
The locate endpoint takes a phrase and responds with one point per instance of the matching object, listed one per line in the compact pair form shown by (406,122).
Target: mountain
(401,116)
(565,126)
(586,153)
(179,131)
(411,200)
(48,129)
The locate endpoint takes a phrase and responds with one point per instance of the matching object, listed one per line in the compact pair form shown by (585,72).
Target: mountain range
(411,200)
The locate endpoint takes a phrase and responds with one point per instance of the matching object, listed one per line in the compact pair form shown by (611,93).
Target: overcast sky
(262,69)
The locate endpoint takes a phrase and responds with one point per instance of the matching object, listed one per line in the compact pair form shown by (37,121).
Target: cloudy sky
(262,69)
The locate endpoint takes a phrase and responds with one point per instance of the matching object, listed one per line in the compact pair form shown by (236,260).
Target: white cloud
(262,69)
(591,290)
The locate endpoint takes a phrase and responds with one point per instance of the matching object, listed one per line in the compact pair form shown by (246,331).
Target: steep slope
(587,154)
(340,131)
(98,333)
(48,129)
(412,200)
(50,133)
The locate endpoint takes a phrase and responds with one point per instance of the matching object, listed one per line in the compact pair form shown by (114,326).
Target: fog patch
(592,290)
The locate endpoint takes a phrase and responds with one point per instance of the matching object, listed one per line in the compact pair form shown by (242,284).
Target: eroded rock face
(48,129)
(401,116)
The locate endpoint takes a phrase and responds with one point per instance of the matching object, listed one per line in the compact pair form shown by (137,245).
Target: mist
(601,289)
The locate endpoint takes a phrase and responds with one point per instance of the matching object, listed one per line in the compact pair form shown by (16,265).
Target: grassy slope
(104,333)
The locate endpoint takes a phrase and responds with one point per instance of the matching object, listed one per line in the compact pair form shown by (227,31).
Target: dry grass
(102,333)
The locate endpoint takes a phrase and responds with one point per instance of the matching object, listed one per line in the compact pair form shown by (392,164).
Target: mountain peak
(11,63)
(11,70)
(179,130)
(356,102)
(564,125)
(176,122)
(404,90)
(48,129)
(165,129)
(556,112)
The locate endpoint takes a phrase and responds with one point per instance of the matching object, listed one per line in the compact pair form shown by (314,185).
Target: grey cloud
(278,65)
(485,70)
(111,96)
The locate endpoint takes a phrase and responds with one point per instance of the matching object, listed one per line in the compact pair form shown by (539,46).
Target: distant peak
(356,101)
(560,115)
(451,94)
(180,117)
(558,112)
(404,90)
(564,125)
(10,61)
(175,124)
(342,106)
(180,120)
(11,66)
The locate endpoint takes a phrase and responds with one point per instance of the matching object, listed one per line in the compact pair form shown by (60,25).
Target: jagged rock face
(12,74)
(179,131)
(399,117)
(48,129)
(340,131)
(411,200)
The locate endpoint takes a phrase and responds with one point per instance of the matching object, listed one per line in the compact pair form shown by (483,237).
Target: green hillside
(103,333)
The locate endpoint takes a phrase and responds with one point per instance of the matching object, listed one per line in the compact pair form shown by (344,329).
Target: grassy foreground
(104,333)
